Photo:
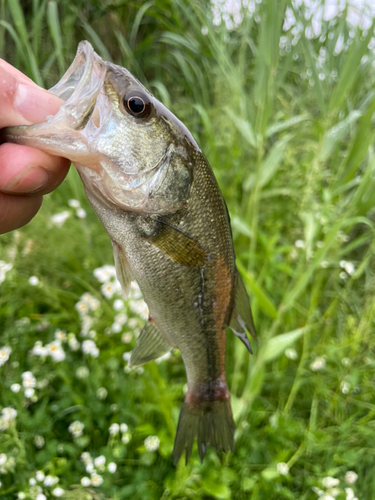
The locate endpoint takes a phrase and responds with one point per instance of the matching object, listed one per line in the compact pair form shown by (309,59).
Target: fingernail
(31,180)
(35,103)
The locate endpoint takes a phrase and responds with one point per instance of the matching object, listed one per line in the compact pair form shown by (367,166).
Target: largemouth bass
(156,196)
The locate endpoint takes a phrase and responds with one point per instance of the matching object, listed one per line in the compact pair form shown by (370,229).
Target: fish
(157,197)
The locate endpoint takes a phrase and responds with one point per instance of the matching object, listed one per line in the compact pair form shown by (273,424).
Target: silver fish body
(156,196)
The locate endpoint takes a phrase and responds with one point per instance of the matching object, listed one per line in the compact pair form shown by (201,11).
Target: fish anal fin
(122,268)
(151,344)
(177,245)
(242,318)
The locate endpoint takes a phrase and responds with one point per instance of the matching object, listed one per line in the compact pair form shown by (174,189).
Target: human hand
(26,174)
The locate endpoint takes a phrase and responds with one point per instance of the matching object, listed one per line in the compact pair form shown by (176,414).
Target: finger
(16,211)
(22,101)
(25,170)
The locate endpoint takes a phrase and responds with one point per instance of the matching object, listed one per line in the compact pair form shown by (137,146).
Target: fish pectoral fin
(122,268)
(177,245)
(151,344)
(242,318)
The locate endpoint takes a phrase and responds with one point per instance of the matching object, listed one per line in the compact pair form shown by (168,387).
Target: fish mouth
(80,85)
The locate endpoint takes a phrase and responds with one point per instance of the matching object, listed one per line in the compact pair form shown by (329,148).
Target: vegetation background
(281,98)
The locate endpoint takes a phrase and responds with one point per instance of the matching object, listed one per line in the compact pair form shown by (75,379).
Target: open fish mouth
(80,85)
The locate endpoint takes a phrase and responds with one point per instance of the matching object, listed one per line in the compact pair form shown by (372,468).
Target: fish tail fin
(211,422)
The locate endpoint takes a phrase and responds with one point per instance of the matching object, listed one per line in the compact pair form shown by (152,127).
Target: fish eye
(137,104)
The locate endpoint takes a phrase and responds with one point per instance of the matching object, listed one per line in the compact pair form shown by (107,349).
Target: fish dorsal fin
(122,268)
(150,345)
(242,318)
(177,245)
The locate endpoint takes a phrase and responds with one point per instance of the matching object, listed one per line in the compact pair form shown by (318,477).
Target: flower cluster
(318,364)
(86,306)
(115,430)
(94,466)
(7,418)
(54,349)
(7,464)
(332,487)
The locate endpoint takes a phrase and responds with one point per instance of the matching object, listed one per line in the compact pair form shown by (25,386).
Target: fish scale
(156,196)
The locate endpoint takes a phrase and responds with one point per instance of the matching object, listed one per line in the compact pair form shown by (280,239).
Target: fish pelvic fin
(151,344)
(242,317)
(210,422)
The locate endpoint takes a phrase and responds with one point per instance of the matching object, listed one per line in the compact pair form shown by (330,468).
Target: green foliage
(286,121)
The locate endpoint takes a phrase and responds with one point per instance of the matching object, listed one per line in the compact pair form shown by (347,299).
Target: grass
(286,121)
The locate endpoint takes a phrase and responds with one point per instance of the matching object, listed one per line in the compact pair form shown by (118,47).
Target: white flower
(346,361)
(4,268)
(60,335)
(124,428)
(118,304)
(34,281)
(351,477)
(333,492)
(343,264)
(105,273)
(73,343)
(28,379)
(291,353)
(126,356)
(318,364)
(85,481)
(126,338)
(101,393)
(41,496)
(90,467)
(89,347)
(81,307)
(32,481)
(330,482)
(324,264)
(39,349)
(91,302)
(8,416)
(116,327)
(5,352)
(86,457)
(299,244)
(139,307)
(74,203)
(282,468)
(59,218)
(55,350)
(114,429)
(110,288)
(50,480)
(126,437)
(152,443)
(112,467)
(82,372)
(39,441)
(40,476)
(81,213)
(100,461)
(96,480)
(3,459)
(345,387)
(21,495)
(86,325)
(58,492)
(349,268)
(121,319)
(29,392)
(134,292)
(349,494)
(76,428)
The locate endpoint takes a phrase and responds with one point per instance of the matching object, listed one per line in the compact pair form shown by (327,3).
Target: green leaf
(277,345)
